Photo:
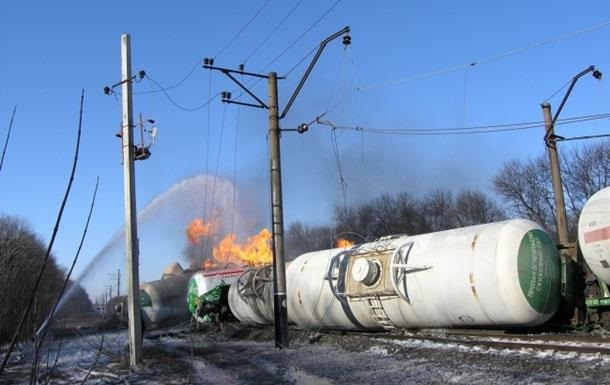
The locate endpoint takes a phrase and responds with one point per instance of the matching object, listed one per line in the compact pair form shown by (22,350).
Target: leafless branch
(49,320)
(97,356)
(55,230)
(8,135)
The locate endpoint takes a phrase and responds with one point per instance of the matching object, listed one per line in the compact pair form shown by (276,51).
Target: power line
(488,129)
(189,109)
(206,175)
(163,89)
(242,29)
(196,108)
(222,129)
(556,92)
(302,35)
(318,20)
(235,144)
(583,137)
(301,61)
(198,63)
(273,31)
(335,146)
(487,59)
(351,58)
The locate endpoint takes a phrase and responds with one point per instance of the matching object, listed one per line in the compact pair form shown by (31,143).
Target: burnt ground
(242,354)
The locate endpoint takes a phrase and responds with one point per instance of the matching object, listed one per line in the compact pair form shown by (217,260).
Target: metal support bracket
(400,269)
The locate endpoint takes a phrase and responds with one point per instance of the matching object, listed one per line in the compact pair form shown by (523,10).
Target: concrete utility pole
(561,217)
(131,232)
(277,217)
(277,221)
(550,139)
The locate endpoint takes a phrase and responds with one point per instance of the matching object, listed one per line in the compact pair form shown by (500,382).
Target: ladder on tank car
(378,312)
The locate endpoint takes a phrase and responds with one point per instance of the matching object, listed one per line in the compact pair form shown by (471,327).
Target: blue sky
(52,50)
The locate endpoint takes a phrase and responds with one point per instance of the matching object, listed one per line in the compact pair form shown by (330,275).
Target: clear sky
(407,68)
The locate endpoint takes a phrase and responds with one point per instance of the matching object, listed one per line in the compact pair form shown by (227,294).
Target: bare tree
(21,253)
(438,207)
(400,214)
(473,207)
(526,186)
(301,239)
(586,170)
(357,219)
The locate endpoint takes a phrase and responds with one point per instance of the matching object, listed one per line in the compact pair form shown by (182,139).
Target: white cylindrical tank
(251,296)
(500,274)
(594,234)
(162,301)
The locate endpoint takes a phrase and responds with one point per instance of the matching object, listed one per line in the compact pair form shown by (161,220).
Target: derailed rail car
(504,274)
(594,246)
(162,301)
(207,294)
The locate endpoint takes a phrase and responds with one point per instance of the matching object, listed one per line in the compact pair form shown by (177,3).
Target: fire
(343,243)
(199,229)
(207,264)
(256,250)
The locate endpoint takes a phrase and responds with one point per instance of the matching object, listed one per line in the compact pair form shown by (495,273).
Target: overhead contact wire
(273,31)
(222,128)
(318,20)
(302,35)
(242,29)
(487,59)
(465,130)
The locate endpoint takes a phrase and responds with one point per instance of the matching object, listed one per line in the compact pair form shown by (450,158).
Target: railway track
(499,340)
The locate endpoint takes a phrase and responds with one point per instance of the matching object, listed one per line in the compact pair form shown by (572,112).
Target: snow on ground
(246,355)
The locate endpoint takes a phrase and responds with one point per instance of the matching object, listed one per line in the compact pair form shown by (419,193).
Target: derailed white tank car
(594,234)
(594,243)
(494,275)
(251,296)
(162,301)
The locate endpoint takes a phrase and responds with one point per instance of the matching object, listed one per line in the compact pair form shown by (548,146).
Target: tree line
(21,255)
(522,189)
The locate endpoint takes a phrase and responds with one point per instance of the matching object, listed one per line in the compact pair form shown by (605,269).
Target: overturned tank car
(504,274)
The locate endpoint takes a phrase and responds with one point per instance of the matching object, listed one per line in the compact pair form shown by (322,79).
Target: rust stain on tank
(474,290)
(474,241)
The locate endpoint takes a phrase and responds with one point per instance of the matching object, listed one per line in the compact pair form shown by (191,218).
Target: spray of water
(168,214)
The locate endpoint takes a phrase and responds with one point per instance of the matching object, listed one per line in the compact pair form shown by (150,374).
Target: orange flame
(208,264)
(199,229)
(343,243)
(256,250)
